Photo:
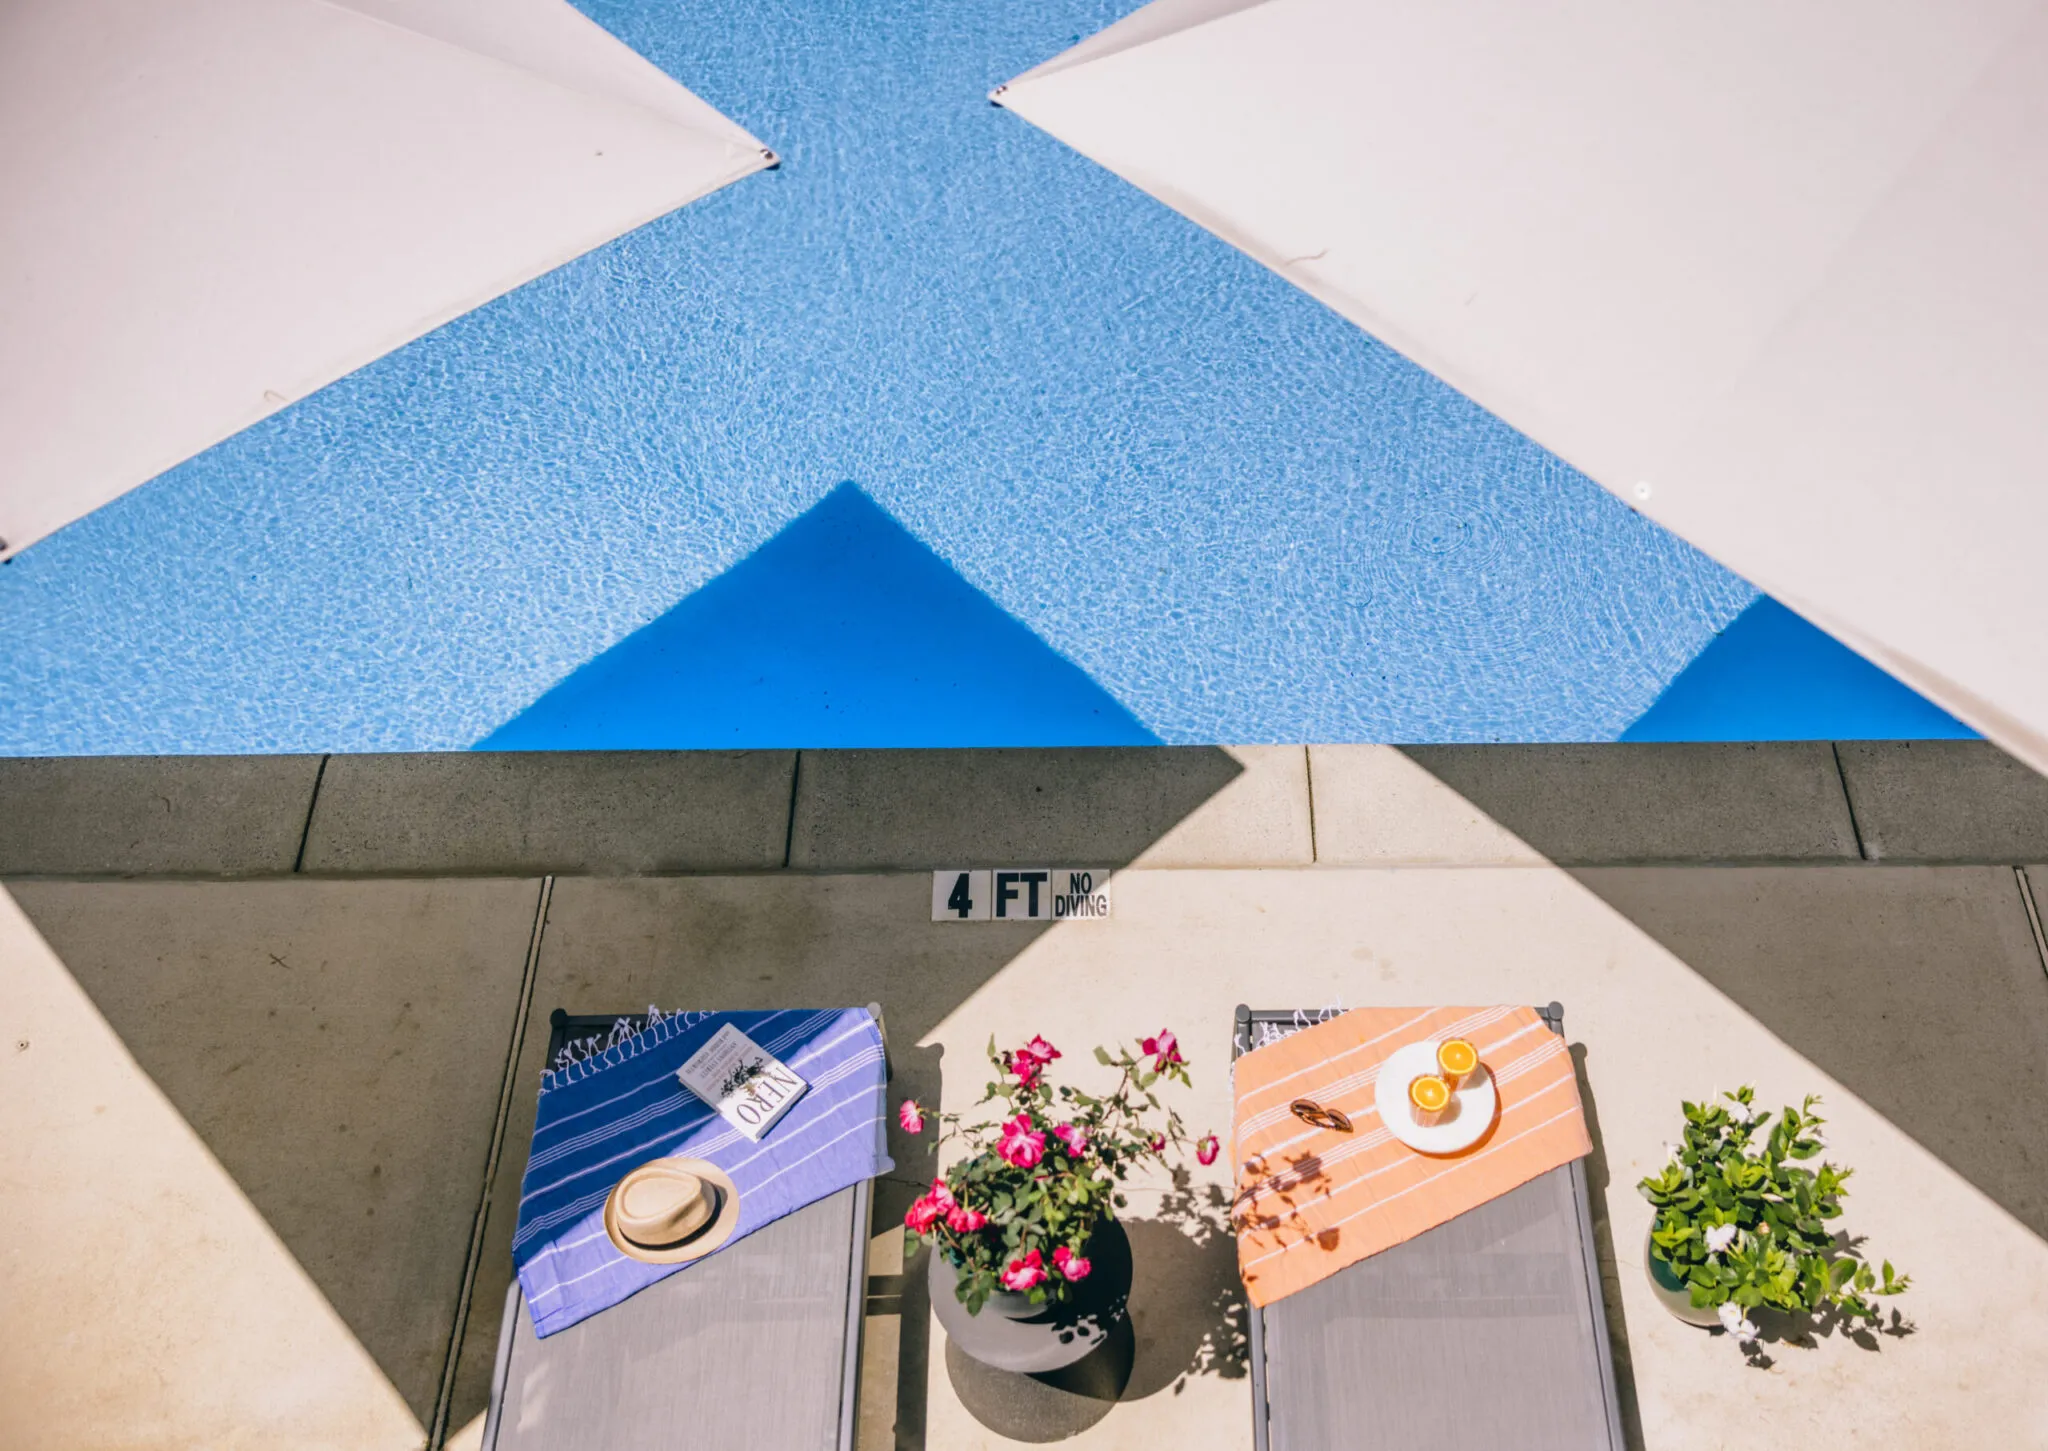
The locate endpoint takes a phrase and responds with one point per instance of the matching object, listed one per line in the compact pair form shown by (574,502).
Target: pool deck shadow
(1340,874)
(1782,879)
(336,1033)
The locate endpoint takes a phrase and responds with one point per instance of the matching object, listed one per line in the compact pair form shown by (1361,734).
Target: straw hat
(668,1211)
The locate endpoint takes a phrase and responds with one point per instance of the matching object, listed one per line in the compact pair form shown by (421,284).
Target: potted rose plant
(1743,1224)
(1024,1225)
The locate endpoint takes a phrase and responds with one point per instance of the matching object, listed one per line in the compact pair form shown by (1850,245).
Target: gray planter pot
(1671,1292)
(1013,1334)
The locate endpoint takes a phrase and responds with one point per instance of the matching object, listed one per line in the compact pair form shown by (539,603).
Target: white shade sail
(214,207)
(1777,275)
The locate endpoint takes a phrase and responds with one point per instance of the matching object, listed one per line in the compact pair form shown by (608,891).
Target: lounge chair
(1488,1330)
(757,1345)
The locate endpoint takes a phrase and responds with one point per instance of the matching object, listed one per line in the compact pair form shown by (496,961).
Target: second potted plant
(1744,1225)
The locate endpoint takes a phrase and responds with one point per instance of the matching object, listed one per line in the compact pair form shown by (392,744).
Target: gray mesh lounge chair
(687,1361)
(1485,1331)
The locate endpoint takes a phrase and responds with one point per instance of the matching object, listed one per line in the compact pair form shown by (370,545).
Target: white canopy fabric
(1777,275)
(214,207)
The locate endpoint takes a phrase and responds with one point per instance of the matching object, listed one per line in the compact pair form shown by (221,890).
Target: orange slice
(1456,1060)
(1428,1097)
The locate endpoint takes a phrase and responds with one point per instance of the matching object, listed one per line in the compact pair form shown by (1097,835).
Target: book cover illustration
(750,1087)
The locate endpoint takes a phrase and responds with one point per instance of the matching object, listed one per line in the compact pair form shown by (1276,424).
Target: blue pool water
(939,434)
(1772,676)
(842,626)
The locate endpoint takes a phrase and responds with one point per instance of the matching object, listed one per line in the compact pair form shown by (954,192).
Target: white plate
(1472,1106)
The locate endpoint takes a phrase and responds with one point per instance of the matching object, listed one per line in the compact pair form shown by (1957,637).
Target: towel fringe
(581,1057)
(1270,1033)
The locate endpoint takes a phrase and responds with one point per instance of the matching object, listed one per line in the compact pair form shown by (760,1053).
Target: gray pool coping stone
(1945,801)
(681,812)
(221,816)
(607,812)
(908,809)
(1656,802)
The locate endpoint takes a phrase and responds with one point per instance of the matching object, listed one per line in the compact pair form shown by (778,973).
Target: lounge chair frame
(855,1203)
(1248,1021)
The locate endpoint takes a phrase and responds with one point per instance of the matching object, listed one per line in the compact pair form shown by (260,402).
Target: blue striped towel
(602,1117)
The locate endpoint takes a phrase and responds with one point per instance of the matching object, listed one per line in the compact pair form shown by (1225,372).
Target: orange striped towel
(1311,1201)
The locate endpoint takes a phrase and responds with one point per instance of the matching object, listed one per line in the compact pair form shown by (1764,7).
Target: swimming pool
(938,434)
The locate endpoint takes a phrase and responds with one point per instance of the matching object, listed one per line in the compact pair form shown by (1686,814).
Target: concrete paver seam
(2026,886)
(1308,767)
(312,804)
(1855,826)
(796,775)
(437,1434)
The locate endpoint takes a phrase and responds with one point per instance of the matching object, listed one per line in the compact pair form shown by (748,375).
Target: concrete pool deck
(272,1028)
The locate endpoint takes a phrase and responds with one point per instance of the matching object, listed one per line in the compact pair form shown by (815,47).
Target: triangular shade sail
(214,207)
(1774,274)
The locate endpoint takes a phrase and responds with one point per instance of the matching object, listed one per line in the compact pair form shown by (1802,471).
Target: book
(749,1086)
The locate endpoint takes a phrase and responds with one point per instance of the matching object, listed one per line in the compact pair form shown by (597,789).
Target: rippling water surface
(1243,518)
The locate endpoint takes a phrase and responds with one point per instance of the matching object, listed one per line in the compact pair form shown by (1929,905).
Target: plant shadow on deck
(1807,1331)
(1187,1318)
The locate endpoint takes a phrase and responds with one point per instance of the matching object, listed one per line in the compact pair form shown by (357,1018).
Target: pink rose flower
(1021,1145)
(1043,1051)
(1023,1067)
(1159,1143)
(1206,1149)
(1074,1137)
(924,1213)
(911,1117)
(942,1196)
(1165,1050)
(964,1220)
(1070,1265)
(1023,1274)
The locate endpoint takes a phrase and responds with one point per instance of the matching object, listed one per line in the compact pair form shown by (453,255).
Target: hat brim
(711,1237)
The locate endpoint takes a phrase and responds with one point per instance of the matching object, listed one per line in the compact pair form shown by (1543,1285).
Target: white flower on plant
(1735,1322)
(1720,1237)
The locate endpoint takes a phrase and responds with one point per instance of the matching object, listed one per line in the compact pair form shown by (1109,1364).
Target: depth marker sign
(1019,894)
